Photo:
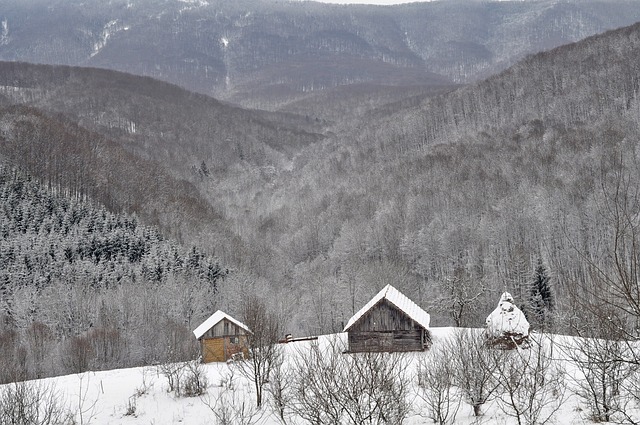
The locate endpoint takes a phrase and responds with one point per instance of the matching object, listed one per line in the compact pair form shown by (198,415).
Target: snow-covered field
(140,396)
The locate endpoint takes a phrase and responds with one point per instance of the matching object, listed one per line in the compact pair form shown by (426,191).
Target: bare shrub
(262,341)
(195,381)
(132,406)
(173,372)
(533,385)
(32,403)
(185,379)
(474,367)
(146,383)
(86,408)
(230,408)
(435,382)
(330,387)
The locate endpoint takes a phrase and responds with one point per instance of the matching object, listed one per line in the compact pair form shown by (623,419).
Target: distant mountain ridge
(263,53)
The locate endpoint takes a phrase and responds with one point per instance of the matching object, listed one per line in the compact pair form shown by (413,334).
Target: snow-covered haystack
(507,327)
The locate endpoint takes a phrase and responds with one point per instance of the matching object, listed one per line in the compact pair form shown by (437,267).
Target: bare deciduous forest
(133,208)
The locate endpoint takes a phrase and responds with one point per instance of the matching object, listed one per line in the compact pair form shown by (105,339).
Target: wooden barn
(221,337)
(389,322)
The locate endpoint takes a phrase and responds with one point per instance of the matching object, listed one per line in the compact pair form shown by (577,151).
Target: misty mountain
(452,197)
(456,197)
(157,120)
(267,54)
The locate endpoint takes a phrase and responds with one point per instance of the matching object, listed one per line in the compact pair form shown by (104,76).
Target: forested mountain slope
(86,165)
(452,199)
(83,288)
(267,53)
(156,120)
(456,199)
(575,84)
(139,145)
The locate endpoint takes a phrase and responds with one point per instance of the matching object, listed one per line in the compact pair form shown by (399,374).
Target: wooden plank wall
(222,349)
(213,350)
(384,316)
(219,328)
(381,341)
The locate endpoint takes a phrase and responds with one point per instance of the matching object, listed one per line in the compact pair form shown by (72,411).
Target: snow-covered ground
(140,396)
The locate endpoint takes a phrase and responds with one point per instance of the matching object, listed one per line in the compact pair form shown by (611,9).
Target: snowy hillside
(140,395)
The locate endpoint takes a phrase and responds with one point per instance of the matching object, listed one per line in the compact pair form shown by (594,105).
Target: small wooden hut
(221,337)
(389,322)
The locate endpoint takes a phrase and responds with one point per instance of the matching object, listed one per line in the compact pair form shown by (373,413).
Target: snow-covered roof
(214,319)
(399,300)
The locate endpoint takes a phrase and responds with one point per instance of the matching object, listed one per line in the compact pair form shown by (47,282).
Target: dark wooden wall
(384,316)
(386,328)
(388,341)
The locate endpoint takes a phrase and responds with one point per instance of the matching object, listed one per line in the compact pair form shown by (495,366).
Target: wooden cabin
(390,322)
(221,338)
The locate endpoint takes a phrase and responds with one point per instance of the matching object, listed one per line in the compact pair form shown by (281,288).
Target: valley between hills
(153,172)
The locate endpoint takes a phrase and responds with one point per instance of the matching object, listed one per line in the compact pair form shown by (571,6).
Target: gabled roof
(213,320)
(399,300)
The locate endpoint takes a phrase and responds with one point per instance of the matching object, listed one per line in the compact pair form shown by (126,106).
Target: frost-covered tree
(541,299)
(90,288)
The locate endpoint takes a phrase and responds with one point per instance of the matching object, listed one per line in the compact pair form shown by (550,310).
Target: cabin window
(233,340)
(226,328)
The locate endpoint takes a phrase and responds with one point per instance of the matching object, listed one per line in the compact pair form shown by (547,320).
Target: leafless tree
(330,387)
(79,354)
(533,385)
(39,339)
(13,365)
(262,343)
(605,365)
(279,389)
(435,382)
(474,367)
(608,299)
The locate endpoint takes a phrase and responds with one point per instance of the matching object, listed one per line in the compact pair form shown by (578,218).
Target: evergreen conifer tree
(541,300)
